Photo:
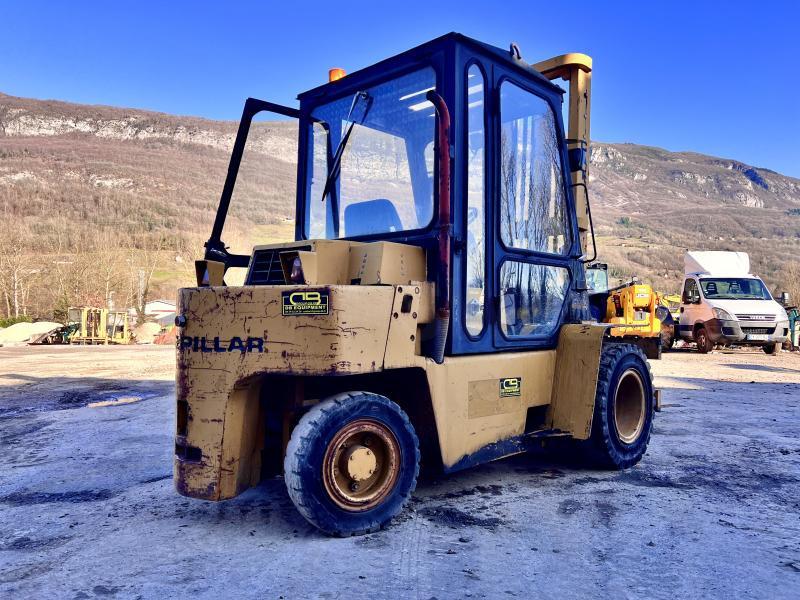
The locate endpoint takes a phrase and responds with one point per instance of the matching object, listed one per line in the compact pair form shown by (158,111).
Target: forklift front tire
(623,410)
(352,463)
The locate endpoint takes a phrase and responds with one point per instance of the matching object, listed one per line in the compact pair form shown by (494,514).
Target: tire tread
(299,447)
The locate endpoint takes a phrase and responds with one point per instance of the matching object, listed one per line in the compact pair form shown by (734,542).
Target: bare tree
(145,255)
(18,271)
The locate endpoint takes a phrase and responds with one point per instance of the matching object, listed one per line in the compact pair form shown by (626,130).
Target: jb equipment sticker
(305,303)
(510,386)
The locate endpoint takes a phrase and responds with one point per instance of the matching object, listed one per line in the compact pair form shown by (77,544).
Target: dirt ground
(87,507)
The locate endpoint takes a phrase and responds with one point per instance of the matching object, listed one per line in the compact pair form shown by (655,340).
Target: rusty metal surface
(234,334)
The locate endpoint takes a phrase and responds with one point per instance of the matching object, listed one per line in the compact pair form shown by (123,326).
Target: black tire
(667,338)
(771,348)
(704,343)
(621,365)
(305,463)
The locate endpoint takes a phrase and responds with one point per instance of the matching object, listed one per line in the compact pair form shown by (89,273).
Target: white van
(723,303)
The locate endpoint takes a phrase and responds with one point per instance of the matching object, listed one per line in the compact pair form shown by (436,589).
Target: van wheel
(623,408)
(771,349)
(352,463)
(704,343)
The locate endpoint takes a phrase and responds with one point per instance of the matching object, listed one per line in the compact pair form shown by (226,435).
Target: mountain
(651,205)
(137,190)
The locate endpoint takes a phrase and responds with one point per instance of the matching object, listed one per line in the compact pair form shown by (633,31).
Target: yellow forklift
(433,309)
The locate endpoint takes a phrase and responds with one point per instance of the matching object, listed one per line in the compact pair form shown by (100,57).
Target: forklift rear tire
(623,408)
(352,463)
(704,343)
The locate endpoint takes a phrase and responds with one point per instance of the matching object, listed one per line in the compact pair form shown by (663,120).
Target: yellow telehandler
(635,311)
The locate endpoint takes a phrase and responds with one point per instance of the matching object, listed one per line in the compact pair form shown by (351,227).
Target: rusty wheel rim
(629,406)
(361,465)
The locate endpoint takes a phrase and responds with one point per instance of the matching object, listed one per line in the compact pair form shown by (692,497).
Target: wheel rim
(701,339)
(361,465)
(629,406)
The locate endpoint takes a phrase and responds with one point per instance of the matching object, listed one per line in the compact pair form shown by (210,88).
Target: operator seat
(371,216)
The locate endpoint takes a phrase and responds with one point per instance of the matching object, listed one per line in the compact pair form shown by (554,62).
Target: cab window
(476,239)
(531,298)
(533,207)
(384,184)
(690,291)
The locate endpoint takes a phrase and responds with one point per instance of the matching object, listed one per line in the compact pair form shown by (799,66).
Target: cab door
(534,225)
(689,308)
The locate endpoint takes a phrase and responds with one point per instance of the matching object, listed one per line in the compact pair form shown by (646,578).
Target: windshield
(734,288)
(385,170)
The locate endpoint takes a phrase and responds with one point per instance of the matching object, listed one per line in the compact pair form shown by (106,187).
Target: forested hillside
(107,204)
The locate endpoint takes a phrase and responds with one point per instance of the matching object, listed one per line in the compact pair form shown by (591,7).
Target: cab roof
(446,42)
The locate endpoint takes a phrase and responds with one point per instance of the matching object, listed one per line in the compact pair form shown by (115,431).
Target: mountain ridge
(69,171)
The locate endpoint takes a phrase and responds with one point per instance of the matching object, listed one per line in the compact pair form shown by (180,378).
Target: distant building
(158,310)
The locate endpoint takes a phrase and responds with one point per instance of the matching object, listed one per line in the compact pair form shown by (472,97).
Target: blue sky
(714,77)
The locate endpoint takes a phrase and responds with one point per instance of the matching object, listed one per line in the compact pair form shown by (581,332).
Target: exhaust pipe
(442,324)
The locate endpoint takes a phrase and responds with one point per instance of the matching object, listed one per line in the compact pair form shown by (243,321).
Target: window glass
(385,181)
(597,278)
(320,211)
(476,240)
(533,209)
(531,297)
(735,288)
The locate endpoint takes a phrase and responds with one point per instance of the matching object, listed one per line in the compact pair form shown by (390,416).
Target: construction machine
(672,302)
(634,310)
(98,326)
(433,308)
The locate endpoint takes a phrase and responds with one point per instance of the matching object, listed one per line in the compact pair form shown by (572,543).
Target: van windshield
(734,288)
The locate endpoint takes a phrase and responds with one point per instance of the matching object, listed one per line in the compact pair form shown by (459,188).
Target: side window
(476,239)
(320,211)
(531,298)
(533,208)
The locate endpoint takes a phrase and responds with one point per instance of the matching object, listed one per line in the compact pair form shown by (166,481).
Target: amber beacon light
(335,74)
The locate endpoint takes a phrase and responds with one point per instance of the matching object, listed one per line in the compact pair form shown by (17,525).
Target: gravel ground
(87,507)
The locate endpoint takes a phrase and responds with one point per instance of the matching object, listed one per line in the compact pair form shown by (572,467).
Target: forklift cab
(370,153)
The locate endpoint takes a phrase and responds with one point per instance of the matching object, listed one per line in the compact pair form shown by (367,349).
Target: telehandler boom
(433,308)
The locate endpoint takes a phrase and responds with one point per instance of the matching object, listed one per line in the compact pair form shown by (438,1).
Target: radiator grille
(265,268)
(767,330)
(756,317)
